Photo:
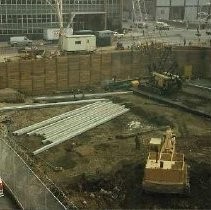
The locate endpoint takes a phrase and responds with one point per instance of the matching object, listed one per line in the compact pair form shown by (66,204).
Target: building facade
(189,10)
(30,17)
(147,6)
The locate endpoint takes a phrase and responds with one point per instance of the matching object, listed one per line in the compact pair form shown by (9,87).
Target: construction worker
(187,25)
(184,41)
(137,142)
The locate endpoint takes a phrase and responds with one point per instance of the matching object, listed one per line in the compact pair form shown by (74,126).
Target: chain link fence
(30,192)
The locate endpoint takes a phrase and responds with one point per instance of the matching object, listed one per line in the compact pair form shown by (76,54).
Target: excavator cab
(155,144)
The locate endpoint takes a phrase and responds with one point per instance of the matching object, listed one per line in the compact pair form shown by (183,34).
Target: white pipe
(79,132)
(71,114)
(49,121)
(73,120)
(54,119)
(50,98)
(89,119)
(92,120)
(38,106)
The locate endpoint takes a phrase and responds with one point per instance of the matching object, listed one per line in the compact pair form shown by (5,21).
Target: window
(77,42)
(162,12)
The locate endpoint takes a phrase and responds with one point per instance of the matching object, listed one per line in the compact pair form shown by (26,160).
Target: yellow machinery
(165,170)
(162,83)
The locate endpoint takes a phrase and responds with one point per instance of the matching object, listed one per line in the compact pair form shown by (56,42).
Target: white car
(116,34)
(142,25)
(162,26)
(20,41)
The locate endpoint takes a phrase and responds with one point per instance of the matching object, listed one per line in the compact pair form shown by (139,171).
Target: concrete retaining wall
(67,72)
(27,188)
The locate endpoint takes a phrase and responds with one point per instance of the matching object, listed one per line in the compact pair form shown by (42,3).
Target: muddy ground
(97,170)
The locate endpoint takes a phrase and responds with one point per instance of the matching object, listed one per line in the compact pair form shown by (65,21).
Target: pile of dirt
(9,95)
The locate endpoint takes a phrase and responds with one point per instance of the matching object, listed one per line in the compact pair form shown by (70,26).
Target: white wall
(190,13)
(163,2)
(177,2)
(162,13)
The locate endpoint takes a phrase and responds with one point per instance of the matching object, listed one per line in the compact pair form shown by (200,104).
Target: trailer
(78,43)
(51,34)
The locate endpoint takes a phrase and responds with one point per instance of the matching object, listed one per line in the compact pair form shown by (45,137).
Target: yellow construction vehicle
(162,83)
(166,171)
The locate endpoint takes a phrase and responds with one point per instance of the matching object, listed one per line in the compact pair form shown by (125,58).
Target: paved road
(174,36)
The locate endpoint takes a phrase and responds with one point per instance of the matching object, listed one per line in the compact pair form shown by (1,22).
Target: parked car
(20,41)
(141,24)
(162,26)
(116,34)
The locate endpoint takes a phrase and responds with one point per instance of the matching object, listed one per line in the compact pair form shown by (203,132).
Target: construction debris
(9,95)
(68,125)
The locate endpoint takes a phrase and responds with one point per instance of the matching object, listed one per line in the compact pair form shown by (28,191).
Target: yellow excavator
(166,170)
(162,83)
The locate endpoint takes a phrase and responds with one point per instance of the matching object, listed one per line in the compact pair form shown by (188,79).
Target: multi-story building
(190,10)
(147,6)
(30,17)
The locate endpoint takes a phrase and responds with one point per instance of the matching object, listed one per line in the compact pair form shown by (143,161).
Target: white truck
(20,41)
(52,34)
(79,43)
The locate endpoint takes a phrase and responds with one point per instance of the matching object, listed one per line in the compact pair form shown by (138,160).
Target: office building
(30,17)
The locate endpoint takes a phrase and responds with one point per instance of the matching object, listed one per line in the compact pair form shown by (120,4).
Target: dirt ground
(98,170)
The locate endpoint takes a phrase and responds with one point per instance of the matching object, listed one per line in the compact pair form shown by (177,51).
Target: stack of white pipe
(68,125)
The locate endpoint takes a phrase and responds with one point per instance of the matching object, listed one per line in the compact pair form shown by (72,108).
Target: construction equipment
(112,85)
(1,188)
(162,83)
(31,52)
(166,171)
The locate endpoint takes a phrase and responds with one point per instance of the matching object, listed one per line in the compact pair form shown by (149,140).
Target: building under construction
(30,17)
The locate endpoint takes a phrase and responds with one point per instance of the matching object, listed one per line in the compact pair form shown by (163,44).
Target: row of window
(23,31)
(29,18)
(64,2)
(42,18)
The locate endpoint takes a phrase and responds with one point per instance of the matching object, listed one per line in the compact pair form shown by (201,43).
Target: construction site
(127,126)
